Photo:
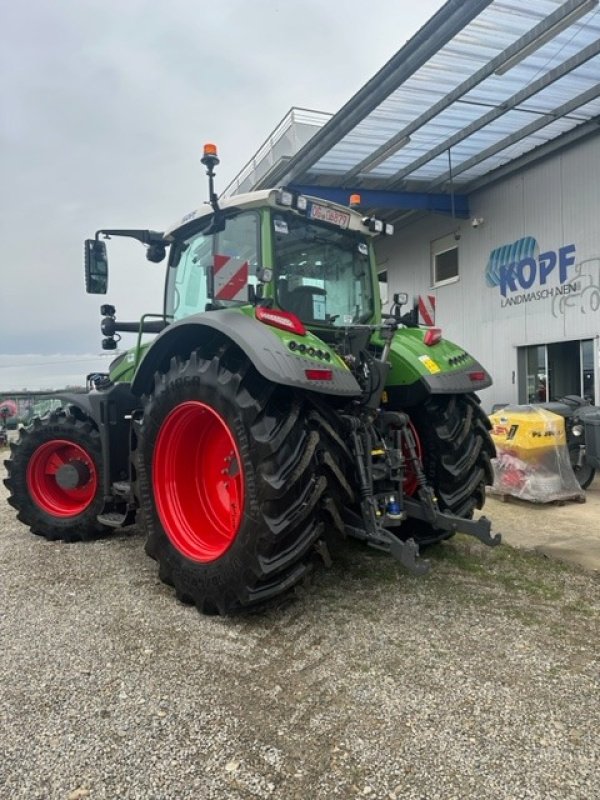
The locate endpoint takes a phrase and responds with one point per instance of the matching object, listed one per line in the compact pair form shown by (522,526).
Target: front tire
(54,478)
(584,472)
(230,483)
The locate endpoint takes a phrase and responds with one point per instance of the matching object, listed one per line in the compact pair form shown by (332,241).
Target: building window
(444,260)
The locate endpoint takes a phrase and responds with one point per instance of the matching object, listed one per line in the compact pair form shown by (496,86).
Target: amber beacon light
(209,155)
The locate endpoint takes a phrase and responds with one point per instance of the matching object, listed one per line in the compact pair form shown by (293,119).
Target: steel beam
(469,84)
(508,105)
(508,141)
(591,128)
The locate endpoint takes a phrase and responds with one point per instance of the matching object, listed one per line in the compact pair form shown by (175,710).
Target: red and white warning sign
(230,278)
(427,309)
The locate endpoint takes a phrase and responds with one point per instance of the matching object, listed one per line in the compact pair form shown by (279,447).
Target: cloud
(38,372)
(105,106)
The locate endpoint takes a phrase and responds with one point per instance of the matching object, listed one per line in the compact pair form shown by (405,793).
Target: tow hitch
(479,528)
(373,525)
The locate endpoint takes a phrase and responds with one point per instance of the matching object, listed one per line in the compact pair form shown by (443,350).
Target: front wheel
(231,483)
(54,477)
(584,472)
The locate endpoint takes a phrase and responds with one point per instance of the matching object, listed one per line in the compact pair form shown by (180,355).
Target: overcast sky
(105,107)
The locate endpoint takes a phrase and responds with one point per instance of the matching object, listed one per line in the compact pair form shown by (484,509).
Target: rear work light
(477,376)
(284,320)
(432,336)
(376,225)
(289,198)
(319,374)
(285,198)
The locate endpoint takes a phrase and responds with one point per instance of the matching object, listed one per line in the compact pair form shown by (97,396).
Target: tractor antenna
(210,160)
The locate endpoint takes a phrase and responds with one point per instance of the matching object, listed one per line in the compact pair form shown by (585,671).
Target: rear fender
(418,370)
(265,347)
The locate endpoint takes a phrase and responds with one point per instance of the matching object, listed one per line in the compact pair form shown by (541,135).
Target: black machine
(582,429)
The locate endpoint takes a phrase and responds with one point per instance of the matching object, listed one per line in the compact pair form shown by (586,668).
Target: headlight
(577,430)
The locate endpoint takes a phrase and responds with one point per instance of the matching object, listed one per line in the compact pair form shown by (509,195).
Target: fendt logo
(516,268)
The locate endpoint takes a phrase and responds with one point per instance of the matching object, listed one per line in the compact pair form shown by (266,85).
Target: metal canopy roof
(481,84)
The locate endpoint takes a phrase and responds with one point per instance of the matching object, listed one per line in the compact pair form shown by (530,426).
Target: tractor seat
(300,301)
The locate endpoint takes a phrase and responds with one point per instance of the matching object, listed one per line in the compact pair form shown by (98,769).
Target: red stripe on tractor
(427,318)
(235,284)
(219,262)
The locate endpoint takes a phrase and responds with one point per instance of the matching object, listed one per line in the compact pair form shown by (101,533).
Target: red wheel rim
(410,482)
(198,481)
(42,483)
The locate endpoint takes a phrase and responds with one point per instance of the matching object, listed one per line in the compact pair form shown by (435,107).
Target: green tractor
(276,408)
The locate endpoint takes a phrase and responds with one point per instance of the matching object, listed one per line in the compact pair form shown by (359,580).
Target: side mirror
(96,267)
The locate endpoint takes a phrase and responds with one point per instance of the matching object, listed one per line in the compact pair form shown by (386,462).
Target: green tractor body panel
(441,368)
(309,345)
(123,368)
(315,368)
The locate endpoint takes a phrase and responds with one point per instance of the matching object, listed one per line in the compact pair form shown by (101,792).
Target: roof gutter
(452,17)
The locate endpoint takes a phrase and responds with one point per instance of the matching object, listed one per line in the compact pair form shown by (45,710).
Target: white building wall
(557,202)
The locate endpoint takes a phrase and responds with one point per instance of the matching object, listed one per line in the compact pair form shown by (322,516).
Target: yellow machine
(530,433)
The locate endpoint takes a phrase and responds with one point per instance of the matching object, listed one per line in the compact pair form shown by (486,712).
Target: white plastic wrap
(532,456)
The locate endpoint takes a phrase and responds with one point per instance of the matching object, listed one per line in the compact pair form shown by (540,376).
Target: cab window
(228,259)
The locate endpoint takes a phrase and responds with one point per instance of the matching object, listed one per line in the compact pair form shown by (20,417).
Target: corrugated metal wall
(557,202)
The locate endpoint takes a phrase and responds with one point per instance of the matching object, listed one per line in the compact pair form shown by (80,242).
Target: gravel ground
(478,681)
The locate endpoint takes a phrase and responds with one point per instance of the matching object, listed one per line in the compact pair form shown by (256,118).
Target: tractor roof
(265,197)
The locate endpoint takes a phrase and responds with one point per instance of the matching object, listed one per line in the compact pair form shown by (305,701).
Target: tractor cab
(305,257)
(300,255)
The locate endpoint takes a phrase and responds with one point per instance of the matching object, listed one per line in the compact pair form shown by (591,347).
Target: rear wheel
(231,475)
(54,478)
(456,451)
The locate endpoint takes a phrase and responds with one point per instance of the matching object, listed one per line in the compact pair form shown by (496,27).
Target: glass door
(536,390)
(549,372)
(564,369)
(587,370)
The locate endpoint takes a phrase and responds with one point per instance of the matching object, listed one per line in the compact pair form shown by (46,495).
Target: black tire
(456,451)
(281,465)
(585,473)
(49,510)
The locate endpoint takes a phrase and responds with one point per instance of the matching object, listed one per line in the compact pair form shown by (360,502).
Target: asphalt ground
(568,531)
(480,680)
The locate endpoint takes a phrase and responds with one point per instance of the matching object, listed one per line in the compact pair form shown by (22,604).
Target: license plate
(330,215)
